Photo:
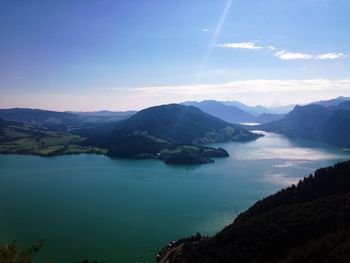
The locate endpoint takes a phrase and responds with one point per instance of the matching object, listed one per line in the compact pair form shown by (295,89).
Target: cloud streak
(257,91)
(267,92)
(330,56)
(284,55)
(247,86)
(240,45)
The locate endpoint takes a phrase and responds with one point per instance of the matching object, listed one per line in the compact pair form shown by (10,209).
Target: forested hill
(55,119)
(3,123)
(38,116)
(309,222)
(168,131)
(315,122)
(182,124)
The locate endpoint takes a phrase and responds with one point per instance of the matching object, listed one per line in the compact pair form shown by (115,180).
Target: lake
(110,210)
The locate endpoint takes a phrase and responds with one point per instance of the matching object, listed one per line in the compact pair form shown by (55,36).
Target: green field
(37,140)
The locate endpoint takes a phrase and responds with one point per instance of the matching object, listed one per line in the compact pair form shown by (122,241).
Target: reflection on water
(297,163)
(281,179)
(285,160)
(249,123)
(291,153)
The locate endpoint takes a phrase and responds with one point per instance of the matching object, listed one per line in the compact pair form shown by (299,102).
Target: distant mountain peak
(331,102)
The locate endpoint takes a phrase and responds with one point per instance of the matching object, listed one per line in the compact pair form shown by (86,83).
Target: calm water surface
(90,206)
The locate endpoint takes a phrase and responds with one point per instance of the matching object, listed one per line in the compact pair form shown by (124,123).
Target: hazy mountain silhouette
(315,122)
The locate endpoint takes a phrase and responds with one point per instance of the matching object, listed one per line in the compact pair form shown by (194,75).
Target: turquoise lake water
(110,210)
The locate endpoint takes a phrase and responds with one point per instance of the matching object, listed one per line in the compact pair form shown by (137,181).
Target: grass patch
(76,149)
(59,139)
(37,140)
(182,148)
(49,150)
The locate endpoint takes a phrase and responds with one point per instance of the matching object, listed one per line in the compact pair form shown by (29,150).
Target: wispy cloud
(240,45)
(291,154)
(330,56)
(284,55)
(247,86)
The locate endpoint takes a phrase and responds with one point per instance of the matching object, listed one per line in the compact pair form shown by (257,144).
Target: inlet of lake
(112,210)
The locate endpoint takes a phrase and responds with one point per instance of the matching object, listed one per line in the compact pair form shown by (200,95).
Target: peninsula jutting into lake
(173,133)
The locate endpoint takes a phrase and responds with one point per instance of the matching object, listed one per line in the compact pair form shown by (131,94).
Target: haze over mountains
(258,109)
(230,111)
(38,115)
(331,102)
(236,112)
(57,118)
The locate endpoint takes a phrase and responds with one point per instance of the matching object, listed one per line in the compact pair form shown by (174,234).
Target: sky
(131,54)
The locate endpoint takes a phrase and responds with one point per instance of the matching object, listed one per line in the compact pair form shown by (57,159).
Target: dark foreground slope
(309,222)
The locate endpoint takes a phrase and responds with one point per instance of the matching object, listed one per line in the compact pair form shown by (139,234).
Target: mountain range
(331,102)
(258,109)
(315,122)
(38,116)
(226,112)
(165,131)
(230,111)
(235,112)
(56,118)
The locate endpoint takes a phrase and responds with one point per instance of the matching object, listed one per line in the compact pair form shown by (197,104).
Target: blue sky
(130,54)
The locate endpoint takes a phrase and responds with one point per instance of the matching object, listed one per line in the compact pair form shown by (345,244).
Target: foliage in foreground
(11,253)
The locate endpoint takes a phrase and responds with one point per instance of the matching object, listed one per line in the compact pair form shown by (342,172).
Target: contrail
(214,39)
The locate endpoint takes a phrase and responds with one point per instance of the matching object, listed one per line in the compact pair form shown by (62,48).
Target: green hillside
(158,131)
